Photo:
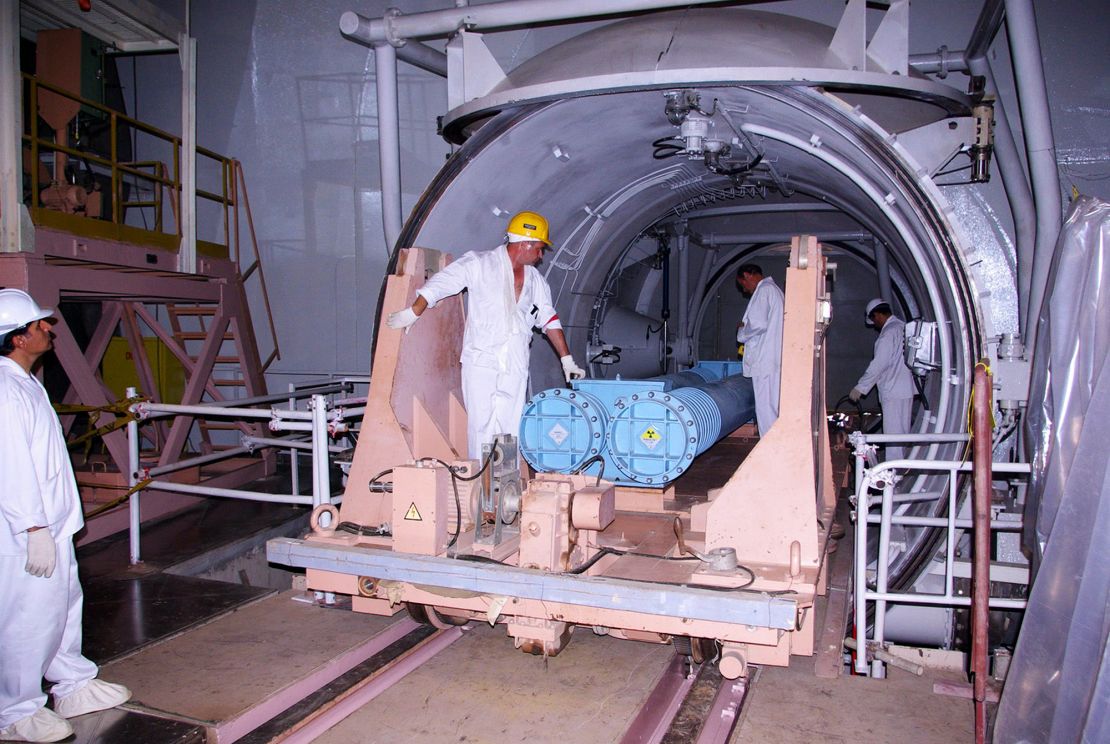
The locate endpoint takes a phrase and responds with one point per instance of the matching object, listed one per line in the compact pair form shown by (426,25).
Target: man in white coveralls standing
(507,298)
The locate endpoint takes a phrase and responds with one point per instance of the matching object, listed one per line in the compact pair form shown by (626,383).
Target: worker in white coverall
(888,371)
(507,298)
(40,510)
(761,333)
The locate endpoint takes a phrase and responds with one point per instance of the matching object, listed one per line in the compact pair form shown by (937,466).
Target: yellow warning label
(650,437)
(413,514)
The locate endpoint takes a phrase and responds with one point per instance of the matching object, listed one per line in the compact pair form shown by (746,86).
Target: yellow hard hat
(529,225)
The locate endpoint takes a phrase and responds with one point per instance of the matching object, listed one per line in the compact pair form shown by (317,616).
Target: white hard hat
(17,309)
(871,306)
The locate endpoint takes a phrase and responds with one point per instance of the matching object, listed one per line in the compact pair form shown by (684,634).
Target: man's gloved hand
(855,395)
(42,555)
(571,371)
(402,319)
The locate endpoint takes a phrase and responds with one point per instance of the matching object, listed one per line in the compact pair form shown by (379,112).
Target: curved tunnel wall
(586,163)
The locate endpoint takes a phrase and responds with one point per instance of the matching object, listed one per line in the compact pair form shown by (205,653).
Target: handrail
(883,477)
(323,419)
(238,180)
(162,176)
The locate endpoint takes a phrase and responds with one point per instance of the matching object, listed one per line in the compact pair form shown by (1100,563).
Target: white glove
(402,319)
(855,395)
(42,555)
(571,370)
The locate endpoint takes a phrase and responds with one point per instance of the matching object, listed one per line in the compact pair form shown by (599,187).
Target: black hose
(666,147)
(455,477)
(740,169)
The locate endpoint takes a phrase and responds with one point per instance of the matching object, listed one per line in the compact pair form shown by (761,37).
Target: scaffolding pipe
(196,461)
(1025,51)
(279,425)
(395,27)
(958,466)
(294,461)
(156,410)
(348,413)
(955,600)
(321,477)
(134,515)
(304,444)
(233,493)
(389,142)
(922,437)
(305,392)
(963,524)
(981,540)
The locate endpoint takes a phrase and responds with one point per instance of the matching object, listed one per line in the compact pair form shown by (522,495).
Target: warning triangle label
(413,514)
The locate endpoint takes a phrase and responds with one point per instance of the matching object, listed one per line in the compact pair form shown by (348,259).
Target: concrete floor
(481,689)
(791,705)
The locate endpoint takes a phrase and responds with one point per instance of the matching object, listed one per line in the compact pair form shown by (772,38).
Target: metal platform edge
(757,609)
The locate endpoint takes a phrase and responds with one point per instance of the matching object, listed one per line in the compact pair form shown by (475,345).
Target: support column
(389,142)
(882,270)
(11,130)
(187,52)
(683,342)
(1040,149)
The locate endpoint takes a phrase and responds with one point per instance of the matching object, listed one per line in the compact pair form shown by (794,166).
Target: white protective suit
(761,335)
(40,618)
(496,341)
(889,372)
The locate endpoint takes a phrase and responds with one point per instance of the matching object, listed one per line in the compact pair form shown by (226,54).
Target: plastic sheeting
(1058,688)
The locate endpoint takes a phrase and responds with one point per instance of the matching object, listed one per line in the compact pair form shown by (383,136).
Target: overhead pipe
(882,269)
(1016,183)
(395,27)
(1040,149)
(939,63)
(716,241)
(973,60)
(708,260)
(985,28)
(389,142)
(413,52)
(683,354)
(424,57)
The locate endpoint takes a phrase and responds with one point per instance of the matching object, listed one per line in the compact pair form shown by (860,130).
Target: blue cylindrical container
(654,436)
(560,429)
(685,378)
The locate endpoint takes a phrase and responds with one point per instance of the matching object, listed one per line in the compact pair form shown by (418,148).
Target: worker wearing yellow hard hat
(529,225)
(506,298)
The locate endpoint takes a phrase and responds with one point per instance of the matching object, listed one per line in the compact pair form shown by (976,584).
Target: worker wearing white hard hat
(888,372)
(761,333)
(507,297)
(40,510)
